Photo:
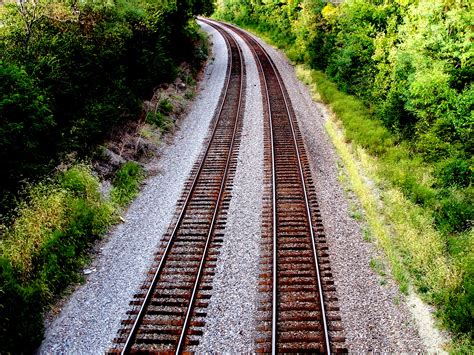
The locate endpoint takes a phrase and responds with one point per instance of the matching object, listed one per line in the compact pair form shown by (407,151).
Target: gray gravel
(230,322)
(91,317)
(375,317)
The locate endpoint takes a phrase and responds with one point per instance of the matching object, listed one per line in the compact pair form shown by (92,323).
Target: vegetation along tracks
(168,312)
(299,306)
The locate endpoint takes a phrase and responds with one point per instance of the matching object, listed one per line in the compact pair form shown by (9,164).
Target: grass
(377,266)
(43,249)
(366,235)
(418,253)
(42,252)
(126,184)
(369,203)
(160,120)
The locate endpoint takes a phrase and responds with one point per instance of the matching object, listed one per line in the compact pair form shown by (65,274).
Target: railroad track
(299,305)
(168,313)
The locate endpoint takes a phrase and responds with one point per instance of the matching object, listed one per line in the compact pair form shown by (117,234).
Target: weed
(355,212)
(165,107)
(126,183)
(396,300)
(366,235)
(189,80)
(377,266)
(160,120)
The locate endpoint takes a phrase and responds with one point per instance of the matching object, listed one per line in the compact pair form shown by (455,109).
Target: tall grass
(127,183)
(42,252)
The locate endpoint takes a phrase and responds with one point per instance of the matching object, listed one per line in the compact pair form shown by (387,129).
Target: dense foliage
(41,252)
(70,70)
(411,63)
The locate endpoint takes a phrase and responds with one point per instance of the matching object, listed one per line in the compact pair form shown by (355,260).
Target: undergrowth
(126,184)
(421,253)
(44,249)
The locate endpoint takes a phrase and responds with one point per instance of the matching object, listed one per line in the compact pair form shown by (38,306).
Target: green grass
(418,251)
(126,183)
(165,107)
(377,266)
(42,251)
(48,242)
(160,120)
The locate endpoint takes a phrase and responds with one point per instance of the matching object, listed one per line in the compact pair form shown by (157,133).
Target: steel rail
(133,332)
(274,224)
(307,205)
(221,190)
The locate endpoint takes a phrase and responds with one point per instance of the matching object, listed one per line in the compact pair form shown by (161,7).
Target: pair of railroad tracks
(297,305)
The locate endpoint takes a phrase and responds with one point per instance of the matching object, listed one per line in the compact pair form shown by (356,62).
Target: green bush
(21,307)
(455,172)
(454,210)
(69,74)
(458,305)
(126,183)
(26,123)
(44,249)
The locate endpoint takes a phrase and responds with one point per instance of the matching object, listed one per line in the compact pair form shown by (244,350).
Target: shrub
(126,183)
(455,172)
(26,122)
(43,250)
(21,307)
(454,211)
(458,307)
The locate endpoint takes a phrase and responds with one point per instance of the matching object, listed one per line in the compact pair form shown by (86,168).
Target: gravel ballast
(91,317)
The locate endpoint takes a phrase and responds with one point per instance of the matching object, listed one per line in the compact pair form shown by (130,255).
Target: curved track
(169,311)
(298,307)
(299,304)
